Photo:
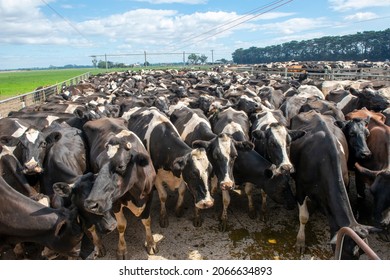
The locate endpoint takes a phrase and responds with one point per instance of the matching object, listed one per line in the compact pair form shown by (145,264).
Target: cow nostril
(92,206)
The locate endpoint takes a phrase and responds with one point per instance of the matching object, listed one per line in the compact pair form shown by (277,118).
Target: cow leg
(162,194)
(97,241)
(214,185)
(121,252)
(360,185)
(179,204)
(303,219)
(249,194)
(197,218)
(150,245)
(225,202)
(263,205)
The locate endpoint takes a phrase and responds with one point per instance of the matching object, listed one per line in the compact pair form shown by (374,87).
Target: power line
(241,22)
(253,11)
(67,21)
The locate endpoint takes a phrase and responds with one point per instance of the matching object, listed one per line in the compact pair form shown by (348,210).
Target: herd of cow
(69,167)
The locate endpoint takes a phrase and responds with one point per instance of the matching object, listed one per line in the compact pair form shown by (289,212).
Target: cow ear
(258,134)
(244,145)
(53,137)
(9,141)
(141,159)
(178,166)
(200,144)
(340,124)
(296,134)
(78,113)
(62,189)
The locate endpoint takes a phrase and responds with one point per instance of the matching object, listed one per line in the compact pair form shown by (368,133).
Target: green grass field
(18,82)
(13,83)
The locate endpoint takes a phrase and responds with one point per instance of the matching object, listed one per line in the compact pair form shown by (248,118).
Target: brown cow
(379,144)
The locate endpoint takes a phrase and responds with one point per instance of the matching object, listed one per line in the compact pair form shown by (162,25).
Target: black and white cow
(176,163)
(195,129)
(272,139)
(125,176)
(31,146)
(250,167)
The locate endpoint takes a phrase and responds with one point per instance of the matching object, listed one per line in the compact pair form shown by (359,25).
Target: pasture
(13,83)
(18,82)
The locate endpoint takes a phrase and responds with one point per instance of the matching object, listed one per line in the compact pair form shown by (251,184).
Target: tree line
(371,45)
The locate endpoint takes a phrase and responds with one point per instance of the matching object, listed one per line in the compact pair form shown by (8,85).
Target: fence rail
(326,74)
(37,96)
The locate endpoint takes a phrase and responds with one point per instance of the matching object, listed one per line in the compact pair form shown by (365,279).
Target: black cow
(381,192)
(177,164)
(356,133)
(66,156)
(320,159)
(25,220)
(75,194)
(125,176)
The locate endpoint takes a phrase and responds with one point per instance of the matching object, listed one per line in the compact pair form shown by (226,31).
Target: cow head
(67,233)
(222,152)
(278,187)
(32,147)
(356,133)
(195,169)
(274,143)
(127,158)
(371,99)
(381,192)
(78,193)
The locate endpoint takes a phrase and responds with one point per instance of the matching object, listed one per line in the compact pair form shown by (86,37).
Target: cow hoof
(164,222)
(222,226)
(300,247)
(264,217)
(197,222)
(122,255)
(252,214)
(100,251)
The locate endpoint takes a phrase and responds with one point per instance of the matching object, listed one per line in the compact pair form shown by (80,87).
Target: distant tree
(371,45)
(146,63)
(94,61)
(223,61)
(193,58)
(202,59)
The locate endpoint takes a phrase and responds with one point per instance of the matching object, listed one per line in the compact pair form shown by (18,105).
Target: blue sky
(39,33)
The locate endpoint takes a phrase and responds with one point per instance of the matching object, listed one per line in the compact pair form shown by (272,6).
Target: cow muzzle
(95,207)
(205,203)
(226,185)
(32,167)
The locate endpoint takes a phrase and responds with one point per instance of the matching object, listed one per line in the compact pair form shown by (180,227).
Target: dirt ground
(245,239)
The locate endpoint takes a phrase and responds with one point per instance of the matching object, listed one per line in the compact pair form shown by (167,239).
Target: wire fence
(37,96)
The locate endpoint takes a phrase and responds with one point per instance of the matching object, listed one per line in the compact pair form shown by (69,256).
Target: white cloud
(343,5)
(191,2)
(294,25)
(361,16)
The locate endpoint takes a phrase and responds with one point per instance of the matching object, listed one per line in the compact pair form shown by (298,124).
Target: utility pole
(105,58)
(145,58)
(184,58)
(212,56)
